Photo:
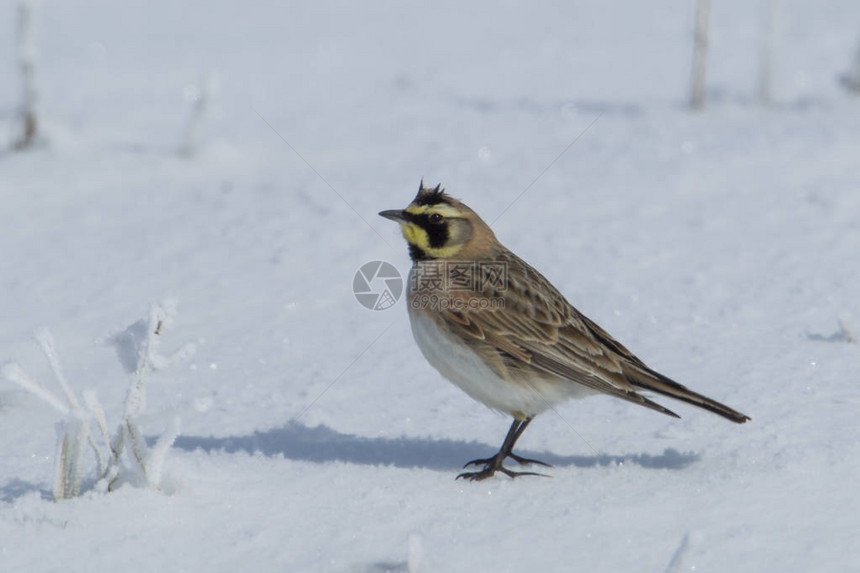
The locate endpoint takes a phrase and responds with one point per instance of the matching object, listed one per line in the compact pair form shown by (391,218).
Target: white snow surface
(723,247)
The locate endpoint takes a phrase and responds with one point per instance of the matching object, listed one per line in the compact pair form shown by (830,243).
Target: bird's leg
(513,433)
(521,460)
(495,463)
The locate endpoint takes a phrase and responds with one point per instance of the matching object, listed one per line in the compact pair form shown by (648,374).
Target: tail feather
(648,379)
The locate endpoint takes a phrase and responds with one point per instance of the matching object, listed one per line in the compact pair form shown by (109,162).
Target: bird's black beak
(395,215)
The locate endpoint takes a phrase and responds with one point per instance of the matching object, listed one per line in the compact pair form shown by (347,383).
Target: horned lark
(495,327)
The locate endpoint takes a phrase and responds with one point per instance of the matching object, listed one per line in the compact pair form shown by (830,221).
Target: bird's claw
(490,470)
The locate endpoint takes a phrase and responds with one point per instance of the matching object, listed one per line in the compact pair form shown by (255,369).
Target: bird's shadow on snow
(323,444)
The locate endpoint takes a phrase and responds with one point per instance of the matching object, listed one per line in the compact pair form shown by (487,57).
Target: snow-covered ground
(721,246)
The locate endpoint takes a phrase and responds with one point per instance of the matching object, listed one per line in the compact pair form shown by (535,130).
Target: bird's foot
(519,459)
(494,464)
(526,461)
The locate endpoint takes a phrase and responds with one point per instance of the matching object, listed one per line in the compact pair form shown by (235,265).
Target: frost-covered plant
(27,67)
(850,80)
(700,54)
(771,16)
(200,96)
(138,350)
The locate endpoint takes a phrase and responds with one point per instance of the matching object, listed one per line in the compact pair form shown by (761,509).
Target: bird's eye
(435,218)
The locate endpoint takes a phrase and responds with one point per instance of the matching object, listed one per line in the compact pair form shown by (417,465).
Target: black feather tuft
(431,195)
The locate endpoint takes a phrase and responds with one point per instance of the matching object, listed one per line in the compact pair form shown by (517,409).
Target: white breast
(459,364)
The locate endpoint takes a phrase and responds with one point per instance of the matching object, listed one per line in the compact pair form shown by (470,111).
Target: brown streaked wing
(538,327)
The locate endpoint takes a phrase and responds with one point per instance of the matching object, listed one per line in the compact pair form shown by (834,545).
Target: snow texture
(721,246)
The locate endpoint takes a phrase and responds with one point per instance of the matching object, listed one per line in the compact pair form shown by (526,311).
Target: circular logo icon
(377,285)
